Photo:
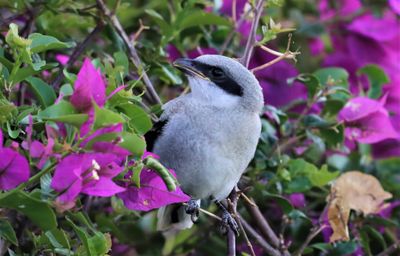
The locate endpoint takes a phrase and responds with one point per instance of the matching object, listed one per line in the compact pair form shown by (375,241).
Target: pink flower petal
(89,86)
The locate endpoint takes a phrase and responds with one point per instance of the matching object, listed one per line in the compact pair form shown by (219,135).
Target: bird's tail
(172,218)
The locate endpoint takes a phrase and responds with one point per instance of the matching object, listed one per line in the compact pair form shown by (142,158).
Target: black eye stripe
(226,83)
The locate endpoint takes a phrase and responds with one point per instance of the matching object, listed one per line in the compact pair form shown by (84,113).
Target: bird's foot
(192,208)
(228,221)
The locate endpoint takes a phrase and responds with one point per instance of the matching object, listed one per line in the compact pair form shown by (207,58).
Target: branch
(248,51)
(131,49)
(390,250)
(286,55)
(233,31)
(262,224)
(313,233)
(260,240)
(78,50)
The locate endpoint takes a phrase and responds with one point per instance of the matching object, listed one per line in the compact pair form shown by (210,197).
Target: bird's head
(222,81)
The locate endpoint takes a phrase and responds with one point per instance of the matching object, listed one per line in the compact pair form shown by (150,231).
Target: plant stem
(76,53)
(248,52)
(131,49)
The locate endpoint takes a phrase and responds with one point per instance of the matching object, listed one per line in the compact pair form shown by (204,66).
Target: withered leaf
(353,191)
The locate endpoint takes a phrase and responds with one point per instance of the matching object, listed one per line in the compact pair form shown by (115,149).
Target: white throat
(206,92)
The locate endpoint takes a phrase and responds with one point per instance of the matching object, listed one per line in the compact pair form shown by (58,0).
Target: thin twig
(76,53)
(313,233)
(260,240)
(262,224)
(246,238)
(391,249)
(286,55)
(131,49)
(233,31)
(248,51)
(140,30)
(207,213)
(231,242)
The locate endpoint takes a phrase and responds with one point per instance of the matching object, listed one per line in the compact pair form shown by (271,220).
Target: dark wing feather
(152,135)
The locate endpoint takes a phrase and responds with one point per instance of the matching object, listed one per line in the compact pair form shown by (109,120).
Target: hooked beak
(189,67)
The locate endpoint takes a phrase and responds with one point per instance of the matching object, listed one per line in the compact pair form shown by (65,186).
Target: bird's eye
(217,72)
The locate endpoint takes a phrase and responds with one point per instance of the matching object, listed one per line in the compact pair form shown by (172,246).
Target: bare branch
(260,240)
(391,249)
(131,49)
(286,55)
(248,51)
(262,224)
(313,233)
(76,53)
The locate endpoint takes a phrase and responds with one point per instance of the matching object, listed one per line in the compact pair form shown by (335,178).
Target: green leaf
(39,212)
(104,117)
(170,72)
(136,171)
(139,119)
(42,43)
(28,71)
(322,177)
(121,60)
(377,78)
(311,82)
(283,202)
(14,40)
(333,136)
(134,143)
(43,92)
(333,76)
(315,121)
(84,237)
(63,112)
(58,238)
(7,232)
(198,18)
(164,26)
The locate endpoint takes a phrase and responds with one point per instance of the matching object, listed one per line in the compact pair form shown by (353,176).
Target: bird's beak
(189,67)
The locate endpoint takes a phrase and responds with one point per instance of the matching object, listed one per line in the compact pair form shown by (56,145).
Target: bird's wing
(152,135)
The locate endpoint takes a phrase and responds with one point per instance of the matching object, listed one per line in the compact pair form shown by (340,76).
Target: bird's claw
(229,222)
(192,208)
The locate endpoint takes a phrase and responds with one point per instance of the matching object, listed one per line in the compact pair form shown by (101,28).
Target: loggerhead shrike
(208,136)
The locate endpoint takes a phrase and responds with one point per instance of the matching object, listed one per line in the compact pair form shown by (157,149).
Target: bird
(208,136)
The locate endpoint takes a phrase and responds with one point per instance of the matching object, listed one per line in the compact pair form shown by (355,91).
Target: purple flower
(395,5)
(87,173)
(297,200)
(89,86)
(339,8)
(367,121)
(14,168)
(273,80)
(152,194)
(62,58)
(366,33)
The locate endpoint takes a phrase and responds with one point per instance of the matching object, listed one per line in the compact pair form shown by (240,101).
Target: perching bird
(208,136)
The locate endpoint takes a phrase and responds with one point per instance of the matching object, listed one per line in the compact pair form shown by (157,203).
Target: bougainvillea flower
(297,200)
(14,168)
(340,7)
(152,194)
(395,5)
(108,129)
(89,86)
(385,149)
(87,173)
(367,121)
(62,58)
(273,80)
(110,147)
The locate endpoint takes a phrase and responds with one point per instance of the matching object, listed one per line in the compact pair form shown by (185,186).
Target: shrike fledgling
(208,136)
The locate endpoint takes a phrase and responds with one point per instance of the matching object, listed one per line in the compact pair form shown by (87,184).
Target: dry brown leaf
(353,191)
